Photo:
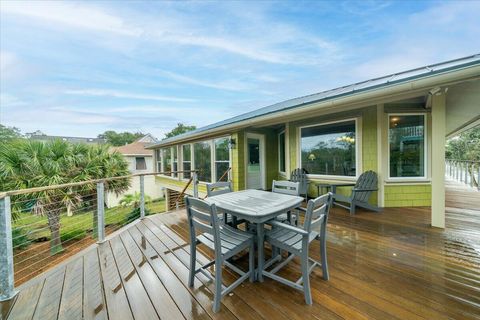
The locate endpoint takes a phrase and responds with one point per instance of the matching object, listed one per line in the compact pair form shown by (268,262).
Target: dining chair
(224,240)
(296,241)
(286,187)
(300,175)
(218,188)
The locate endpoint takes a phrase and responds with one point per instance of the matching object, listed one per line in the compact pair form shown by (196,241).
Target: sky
(81,68)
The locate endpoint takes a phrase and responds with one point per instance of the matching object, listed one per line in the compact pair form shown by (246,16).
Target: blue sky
(80,68)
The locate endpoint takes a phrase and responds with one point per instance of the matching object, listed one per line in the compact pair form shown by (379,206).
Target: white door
(255,160)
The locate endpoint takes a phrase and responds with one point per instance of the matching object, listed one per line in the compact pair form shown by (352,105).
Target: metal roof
(371,84)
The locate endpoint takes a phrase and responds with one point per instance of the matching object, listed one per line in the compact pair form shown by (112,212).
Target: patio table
(256,207)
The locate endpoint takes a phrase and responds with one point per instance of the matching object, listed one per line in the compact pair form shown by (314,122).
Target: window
(166,160)
(222,159)
(329,149)
(158,158)
(281,152)
(140,163)
(187,160)
(175,161)
(202,155)
(406,138)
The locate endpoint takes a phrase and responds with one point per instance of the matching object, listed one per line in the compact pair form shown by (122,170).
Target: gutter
(424,83)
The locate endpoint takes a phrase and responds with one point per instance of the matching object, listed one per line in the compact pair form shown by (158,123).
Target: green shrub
(135,214)
(21,239)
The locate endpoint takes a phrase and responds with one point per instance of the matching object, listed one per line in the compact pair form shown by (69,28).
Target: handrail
(464,171)
(81,183)
(184,189)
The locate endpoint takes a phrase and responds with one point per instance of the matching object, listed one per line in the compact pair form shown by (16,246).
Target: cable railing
(464,171)
(41,227)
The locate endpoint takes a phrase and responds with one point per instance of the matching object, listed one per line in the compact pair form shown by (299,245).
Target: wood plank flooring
(382,266)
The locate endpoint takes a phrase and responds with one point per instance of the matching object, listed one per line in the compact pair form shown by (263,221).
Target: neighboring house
(395,125)
(140,160)
(40,136)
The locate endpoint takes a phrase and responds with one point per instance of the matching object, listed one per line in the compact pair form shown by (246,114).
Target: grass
(35,228)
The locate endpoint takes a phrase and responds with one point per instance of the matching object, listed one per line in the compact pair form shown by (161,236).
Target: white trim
(261,138)
(423,178)
(284,173)
(214,158)
(358,150)
(287,149)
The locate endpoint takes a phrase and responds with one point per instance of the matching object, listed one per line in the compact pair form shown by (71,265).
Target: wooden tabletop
(256,206)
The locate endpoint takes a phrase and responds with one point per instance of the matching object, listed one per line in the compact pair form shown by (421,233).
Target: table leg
(261,259)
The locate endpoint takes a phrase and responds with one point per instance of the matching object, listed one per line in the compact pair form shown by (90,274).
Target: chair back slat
(218,188)
(203,217)
(300,175)
(367,180)
(317,213)
(286,187)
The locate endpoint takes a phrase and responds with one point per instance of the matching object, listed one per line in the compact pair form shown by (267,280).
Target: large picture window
(187,160)
(166,160)
(202,156)
(222,159)
(175,161)
(329,149)
(281,152)
(406,137)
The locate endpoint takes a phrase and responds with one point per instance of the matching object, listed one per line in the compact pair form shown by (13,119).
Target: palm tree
(29,164)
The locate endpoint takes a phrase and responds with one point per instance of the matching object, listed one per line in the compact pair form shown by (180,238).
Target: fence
(41,227)
(466,172)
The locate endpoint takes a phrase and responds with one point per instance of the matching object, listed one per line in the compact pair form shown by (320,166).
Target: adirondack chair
(296,241)
(223,240)
(218,188)
(366,184)
(300,175)
(286,187)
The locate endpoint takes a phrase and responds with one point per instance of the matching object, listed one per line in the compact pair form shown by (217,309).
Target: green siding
(408,195)
(238,161)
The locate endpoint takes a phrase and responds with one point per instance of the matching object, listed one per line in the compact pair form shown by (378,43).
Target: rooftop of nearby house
(138,147)
(40,136)
(333,94)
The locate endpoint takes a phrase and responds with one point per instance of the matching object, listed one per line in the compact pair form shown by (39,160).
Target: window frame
(284,173)
(144,162)
(425,147)
(214,158)
(358,149)
(191,159)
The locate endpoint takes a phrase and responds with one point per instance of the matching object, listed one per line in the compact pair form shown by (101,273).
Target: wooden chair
(223,240)
(296,241)
(218,188)
(286,187)
(300,175)
(366,184)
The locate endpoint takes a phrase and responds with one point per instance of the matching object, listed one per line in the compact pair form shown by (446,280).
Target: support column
(438,159)
(380,155)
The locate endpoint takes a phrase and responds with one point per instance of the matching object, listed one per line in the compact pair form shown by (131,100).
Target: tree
(179,129)
(466,146)
(120,138)
(28,164)
(9,133)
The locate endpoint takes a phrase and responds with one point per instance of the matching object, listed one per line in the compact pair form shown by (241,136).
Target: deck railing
(40,227)
(466,172)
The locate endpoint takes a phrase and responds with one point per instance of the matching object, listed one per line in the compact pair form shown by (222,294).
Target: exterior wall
(238,161)
(408,195)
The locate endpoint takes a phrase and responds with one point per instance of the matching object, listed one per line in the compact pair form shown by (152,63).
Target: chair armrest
(364,190)
(288,227)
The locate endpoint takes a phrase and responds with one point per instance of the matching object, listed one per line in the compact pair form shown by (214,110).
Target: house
(395,125)
(40,136)
(140,160)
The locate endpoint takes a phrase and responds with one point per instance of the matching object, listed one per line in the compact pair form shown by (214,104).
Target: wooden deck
(382,266)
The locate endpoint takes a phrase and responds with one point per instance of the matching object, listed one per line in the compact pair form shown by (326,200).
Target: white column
(380,155)
(438,160)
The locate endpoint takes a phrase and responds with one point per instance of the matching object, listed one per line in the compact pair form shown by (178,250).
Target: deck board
(382,266)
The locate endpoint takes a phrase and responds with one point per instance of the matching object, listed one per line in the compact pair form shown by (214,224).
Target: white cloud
(70,14)
(230,85)
(125,95)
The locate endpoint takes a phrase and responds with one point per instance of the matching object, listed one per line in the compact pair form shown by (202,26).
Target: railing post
(142,197)
(100,212)
(466,173)
(195,185)
(478,176)
(7,283)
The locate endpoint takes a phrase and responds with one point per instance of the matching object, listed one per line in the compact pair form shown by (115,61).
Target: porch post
(438,159)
